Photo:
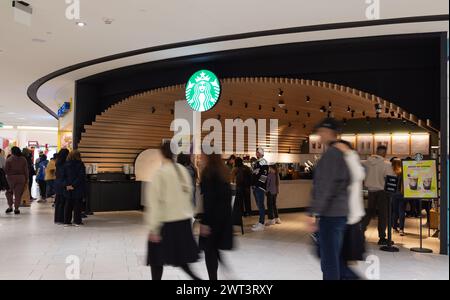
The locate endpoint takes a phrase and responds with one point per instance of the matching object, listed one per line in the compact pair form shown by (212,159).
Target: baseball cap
(329,123)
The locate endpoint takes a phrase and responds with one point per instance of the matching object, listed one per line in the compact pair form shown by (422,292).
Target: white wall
(24,136)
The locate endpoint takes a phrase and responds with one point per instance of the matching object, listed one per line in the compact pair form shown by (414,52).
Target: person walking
(31,172)
(398,201)
(186,161)
(40,178)
(330,200)
(243,181)
(50,177)
(260,172)
(74,182)
(2,159)
(273,187)
(169,213)
(59,186)
(354,242)
(16,171)
(377,168)
(216,228)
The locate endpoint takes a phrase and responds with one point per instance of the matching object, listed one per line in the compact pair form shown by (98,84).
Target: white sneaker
(270,222)
(258,227)
(277,221)
(255,225)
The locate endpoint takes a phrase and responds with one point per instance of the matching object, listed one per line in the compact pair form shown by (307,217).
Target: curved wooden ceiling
(140,122)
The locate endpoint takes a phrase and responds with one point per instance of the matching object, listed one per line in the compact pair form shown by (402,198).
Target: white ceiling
(142,23)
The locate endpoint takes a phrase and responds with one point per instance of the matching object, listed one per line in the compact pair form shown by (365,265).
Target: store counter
(294,195)
(112,192)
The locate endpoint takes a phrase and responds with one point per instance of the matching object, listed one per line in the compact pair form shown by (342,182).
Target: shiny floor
(113,246)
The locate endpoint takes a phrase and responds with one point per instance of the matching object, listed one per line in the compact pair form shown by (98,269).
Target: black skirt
(177,246)
(354,243)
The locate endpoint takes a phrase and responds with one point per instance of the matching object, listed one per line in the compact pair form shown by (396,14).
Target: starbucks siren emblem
(203,90)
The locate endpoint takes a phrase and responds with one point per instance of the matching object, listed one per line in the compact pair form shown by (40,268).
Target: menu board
(383,140)
(400,144)
(419,179)
(315,146)
(365,144)
(420,143)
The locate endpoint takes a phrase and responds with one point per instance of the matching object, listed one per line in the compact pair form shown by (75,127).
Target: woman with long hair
(216,229)
(169,213)
(398,202)
(74,183)
(273,187)
(59,186)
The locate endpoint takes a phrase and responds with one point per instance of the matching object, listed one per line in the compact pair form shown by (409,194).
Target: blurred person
(243,181)
(74,183)
(50,176)
(169,212)
(377,168)
(216,229)
(2,159)
(60,201)
(330,203)
(398,202)
(40,178)
(31,171)
(273,188)
(3,181)
(259,178)
(230,162)
(38,160)
(186,161)
(354,242)
(16,171)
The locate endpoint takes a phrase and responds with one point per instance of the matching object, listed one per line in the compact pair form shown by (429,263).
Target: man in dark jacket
(330,199)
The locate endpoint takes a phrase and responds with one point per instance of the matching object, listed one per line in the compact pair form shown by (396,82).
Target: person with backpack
(40,178)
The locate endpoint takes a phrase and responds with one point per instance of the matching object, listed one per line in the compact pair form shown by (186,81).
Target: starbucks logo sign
(203,90)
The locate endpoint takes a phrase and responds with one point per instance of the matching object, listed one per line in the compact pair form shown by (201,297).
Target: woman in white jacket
(353,248)
(169,212)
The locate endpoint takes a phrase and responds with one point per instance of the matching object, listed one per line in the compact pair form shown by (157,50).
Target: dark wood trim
(444,148)
(34,87)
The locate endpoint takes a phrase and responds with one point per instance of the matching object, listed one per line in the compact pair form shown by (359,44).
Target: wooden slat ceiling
(140,122)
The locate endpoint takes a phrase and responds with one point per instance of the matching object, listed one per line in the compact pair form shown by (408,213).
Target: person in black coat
(74,182)
(31,171)
(216,230)
(59,186)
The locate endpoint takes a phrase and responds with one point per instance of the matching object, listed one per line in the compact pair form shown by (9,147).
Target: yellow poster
(419,179)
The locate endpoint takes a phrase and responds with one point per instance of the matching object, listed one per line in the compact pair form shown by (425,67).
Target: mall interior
(110,79)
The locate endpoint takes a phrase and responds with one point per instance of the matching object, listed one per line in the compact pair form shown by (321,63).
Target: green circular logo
(203,90)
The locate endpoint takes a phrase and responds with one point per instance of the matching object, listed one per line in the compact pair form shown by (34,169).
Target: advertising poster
(315,147)
(419,179)
(420,143)
(365,144)
(383,140)
(400,144)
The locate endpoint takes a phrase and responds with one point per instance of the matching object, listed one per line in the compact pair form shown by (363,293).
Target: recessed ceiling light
(108,21)
(37,40)
(81,24)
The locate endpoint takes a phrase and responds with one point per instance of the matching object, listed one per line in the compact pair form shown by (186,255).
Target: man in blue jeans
(259,178)
(330,200)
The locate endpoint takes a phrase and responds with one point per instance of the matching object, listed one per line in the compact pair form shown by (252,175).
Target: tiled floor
(113,246)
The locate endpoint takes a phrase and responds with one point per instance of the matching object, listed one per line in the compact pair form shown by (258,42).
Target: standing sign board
(391,184)
(420,179)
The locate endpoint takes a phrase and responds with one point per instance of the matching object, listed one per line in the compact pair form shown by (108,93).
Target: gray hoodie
(377,168)
(330,183)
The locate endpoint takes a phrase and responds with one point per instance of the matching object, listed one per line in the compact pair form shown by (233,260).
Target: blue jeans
(398,211)
(331,238)
(50,190)
(259,199)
